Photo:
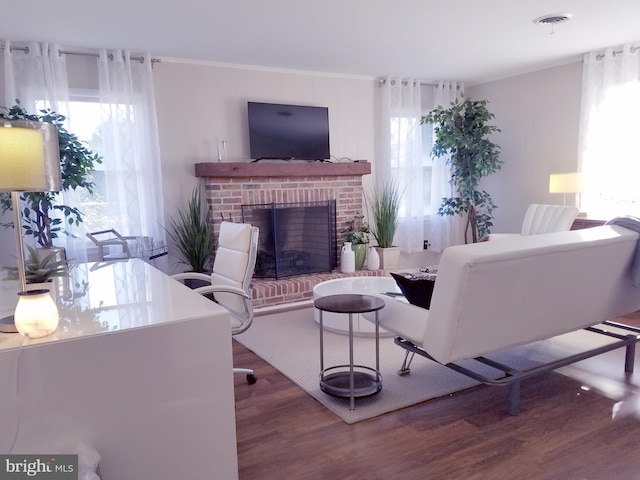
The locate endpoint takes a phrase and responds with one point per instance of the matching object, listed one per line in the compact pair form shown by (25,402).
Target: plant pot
(60,254)
(347,258)
(50,286)
(360,250)
(389,257)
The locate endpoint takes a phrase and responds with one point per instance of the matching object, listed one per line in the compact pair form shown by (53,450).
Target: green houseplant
(461,131)
(40,268)
(191,231)
(383,202)
(77,163)
(356,232)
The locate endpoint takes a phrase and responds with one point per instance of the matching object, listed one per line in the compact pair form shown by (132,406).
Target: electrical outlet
(425,245)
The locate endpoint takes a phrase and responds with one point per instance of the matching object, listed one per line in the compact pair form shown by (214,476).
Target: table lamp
(566,183)
(29,162)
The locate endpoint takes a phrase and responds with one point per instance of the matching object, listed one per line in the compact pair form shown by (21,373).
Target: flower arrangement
(357,230)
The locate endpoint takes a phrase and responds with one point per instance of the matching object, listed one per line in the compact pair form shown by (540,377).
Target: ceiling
(465,40)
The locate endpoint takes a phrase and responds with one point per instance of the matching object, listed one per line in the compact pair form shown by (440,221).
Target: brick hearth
(230,185)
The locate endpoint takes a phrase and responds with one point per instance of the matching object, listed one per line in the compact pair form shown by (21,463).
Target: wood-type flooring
(564,431)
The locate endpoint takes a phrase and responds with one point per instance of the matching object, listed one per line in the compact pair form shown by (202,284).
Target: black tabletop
(349,303)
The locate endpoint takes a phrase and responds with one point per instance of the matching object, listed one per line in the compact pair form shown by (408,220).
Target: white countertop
(108,297)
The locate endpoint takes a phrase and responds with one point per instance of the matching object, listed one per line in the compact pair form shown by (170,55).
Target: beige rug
(290,342)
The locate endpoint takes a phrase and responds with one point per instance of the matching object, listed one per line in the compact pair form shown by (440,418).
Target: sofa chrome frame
(512,376)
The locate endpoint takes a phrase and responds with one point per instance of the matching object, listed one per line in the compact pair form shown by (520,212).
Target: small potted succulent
(41,267)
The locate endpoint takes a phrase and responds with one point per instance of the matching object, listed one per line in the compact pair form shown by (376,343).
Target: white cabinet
(140,368)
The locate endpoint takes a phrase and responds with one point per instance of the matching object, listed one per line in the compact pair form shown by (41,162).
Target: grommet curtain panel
(609,125)
(128,129)
(37,77)
(443,231)
(130,144)
(401,159)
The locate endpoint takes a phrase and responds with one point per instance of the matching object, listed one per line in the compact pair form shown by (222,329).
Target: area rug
(290,342)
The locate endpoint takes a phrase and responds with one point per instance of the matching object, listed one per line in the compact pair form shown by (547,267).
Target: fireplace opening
(295,238)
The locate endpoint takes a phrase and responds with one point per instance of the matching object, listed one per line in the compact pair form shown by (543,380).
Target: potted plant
(191,232)
(356,233)
(384,205)
(461,131)
(40,269)
(77,163)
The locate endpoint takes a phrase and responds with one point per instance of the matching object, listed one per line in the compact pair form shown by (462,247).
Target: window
(611,164)
(84,122)
(427,145)
(403,143)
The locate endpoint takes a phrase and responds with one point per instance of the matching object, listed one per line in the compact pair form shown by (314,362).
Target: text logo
(50,467)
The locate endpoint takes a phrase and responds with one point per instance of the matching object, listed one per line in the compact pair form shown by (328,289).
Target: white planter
(373,259)
(347,259)
(389,257)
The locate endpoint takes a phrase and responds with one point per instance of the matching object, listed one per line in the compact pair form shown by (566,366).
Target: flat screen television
(292,132)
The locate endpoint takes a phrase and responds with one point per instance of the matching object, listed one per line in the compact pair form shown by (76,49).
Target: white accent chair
(540,219)
(232,272)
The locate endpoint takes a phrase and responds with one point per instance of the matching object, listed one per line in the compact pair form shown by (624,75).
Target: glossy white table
(140,368)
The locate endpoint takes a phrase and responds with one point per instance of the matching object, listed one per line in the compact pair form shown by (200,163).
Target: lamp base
(7,325)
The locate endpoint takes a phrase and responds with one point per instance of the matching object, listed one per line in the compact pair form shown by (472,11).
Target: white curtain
(401,159)
(444,231)
(37,77)
(130,144)
(609,151)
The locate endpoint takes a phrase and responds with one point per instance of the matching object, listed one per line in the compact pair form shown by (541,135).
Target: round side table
(350,380)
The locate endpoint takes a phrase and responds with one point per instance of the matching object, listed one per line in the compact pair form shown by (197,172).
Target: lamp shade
(29,157)
(566,183)
(36,314)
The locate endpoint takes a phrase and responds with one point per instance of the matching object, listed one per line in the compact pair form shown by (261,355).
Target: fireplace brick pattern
(229,186)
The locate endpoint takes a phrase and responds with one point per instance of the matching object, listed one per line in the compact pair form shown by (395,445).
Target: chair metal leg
(251,377)
(408,358)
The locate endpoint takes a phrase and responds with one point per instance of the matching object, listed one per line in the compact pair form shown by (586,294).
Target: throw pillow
(418,288)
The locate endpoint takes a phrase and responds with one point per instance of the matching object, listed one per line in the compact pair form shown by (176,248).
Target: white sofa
(492,296)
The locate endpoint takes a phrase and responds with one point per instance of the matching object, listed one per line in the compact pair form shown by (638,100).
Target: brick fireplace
(230,185)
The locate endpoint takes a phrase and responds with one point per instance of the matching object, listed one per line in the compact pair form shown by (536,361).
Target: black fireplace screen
(295,238)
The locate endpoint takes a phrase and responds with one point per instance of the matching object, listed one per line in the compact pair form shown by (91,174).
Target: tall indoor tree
(462,132)
(77,163)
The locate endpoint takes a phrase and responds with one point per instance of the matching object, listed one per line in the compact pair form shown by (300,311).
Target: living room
(202,103)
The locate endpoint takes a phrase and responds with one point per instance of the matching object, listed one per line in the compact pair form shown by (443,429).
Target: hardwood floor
(563,431)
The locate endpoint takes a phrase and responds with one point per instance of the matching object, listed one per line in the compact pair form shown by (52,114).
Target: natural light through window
(611,162)
(85,123)
(402,131)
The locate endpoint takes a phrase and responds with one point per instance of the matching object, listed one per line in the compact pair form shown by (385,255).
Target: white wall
(538,114)
(201,105)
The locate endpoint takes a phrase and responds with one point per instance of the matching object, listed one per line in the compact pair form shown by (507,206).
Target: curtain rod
(383,81)
(89,54)
(633,49)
